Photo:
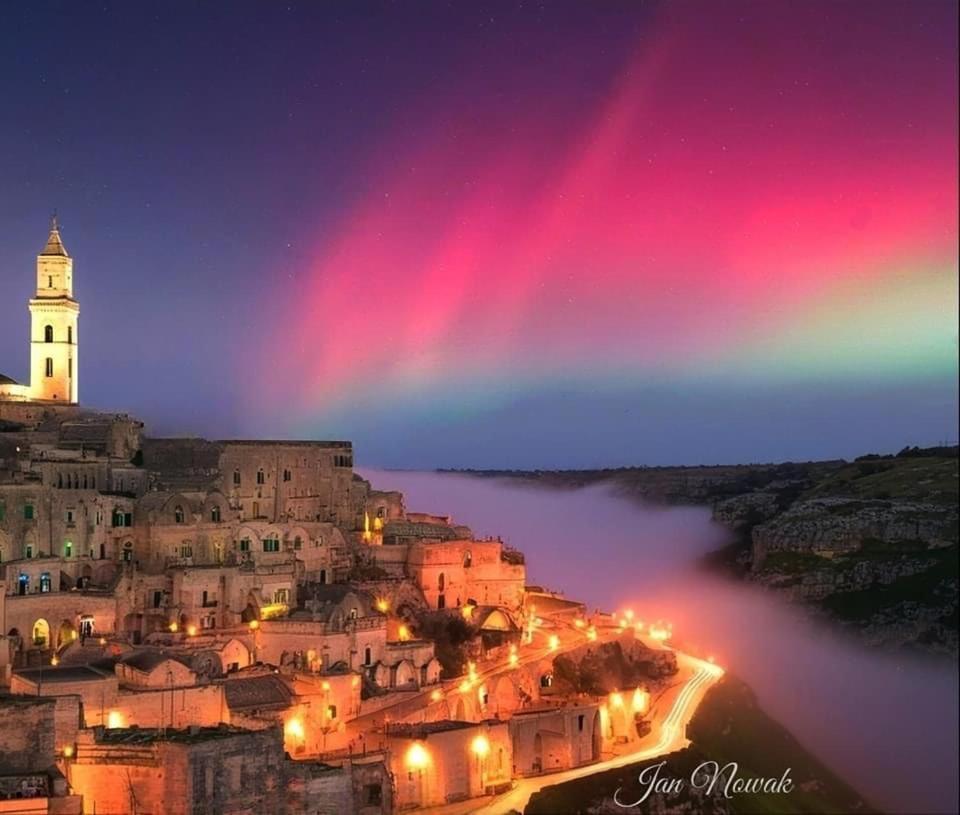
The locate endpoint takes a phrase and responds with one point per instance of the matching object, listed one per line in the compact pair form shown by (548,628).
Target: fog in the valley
(887,724)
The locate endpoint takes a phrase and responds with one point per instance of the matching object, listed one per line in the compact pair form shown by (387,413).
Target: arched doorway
(41,634)
(66,634)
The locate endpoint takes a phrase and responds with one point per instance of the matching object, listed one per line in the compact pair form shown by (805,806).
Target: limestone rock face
(609,666)
(752,507)
(834,525)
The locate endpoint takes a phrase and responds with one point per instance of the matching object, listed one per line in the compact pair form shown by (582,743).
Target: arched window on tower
(49,367)
(48,333)
(70,333)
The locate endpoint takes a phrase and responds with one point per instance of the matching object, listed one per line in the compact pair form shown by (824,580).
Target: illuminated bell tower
(53,324)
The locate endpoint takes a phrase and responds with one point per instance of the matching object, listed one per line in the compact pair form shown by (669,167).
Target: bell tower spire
(54,314)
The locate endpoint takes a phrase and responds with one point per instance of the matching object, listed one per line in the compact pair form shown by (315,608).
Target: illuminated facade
(54,337)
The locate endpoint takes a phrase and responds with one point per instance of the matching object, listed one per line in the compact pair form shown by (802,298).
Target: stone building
(358,785)
(436,763)
(33,744)
(188,771)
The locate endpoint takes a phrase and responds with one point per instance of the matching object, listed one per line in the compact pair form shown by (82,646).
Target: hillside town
(244,626)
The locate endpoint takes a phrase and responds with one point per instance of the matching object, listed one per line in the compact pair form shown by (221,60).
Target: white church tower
(53,325)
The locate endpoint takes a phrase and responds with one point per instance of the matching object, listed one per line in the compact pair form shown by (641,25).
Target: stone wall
(27,734)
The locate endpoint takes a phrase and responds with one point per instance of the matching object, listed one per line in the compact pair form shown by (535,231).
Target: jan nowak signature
(710,776)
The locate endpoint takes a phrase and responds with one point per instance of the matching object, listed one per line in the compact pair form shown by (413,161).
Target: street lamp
(480,747)
(418,759)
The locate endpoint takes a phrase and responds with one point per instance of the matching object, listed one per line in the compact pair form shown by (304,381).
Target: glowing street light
(592,634)
(114,720)
(417,756)
(436,696)
(640,700)
(294,729)
(554,642)
(174,628)
(480,746)
(383,605)
(191,631)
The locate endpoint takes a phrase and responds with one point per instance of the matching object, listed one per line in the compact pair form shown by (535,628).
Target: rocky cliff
(871,543)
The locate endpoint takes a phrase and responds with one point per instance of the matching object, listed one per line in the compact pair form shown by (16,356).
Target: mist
(886,724)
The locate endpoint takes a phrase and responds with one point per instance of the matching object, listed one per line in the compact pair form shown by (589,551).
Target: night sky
(505,235)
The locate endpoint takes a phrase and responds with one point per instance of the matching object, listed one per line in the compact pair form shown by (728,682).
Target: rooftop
(421,730)
(54,243)
(149,735)
(257,692)
(146,661)
(63,673)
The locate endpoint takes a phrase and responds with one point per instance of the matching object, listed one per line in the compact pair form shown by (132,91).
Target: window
(45,582)
(467,559)
(122,518)
(373,795)
(580,719)
(48,333)
(127,552)
(70,366)
(442,601)
(69,516)
(70,334)
(297,543)
(68,549)
(281,596)
(3,510)
(286,475)
(49,281)
(256,510)
(29,552)
(236,478)
(157,599)
(178,515)
(353,614)
(323,577)
(28,512)
(367,656)
(332,712)
(261,478)
(186,550)
(441,582)
(245,545)
(215,515)
(546,680)
(49,366)
(271,545)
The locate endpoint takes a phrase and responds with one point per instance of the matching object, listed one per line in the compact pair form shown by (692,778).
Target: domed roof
(6,380)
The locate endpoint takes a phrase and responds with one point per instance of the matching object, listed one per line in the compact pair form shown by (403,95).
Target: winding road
(670,734)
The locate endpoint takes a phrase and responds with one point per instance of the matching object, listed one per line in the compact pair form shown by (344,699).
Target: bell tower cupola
(54,314)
